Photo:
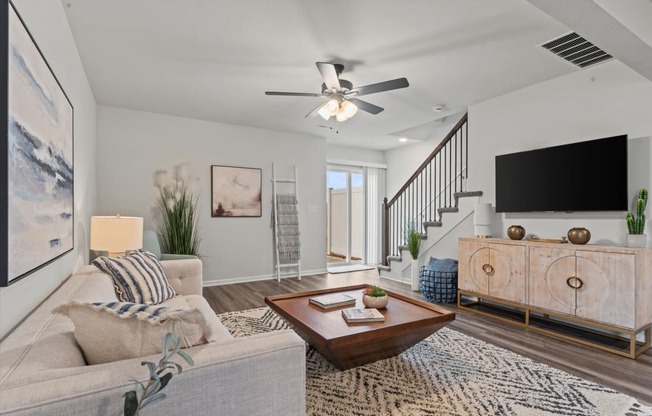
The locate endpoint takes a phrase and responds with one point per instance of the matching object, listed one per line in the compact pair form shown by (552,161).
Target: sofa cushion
(114,331)
(137,277)
(216,331)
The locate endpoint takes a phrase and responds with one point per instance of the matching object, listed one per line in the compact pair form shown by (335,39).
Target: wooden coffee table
(407,322)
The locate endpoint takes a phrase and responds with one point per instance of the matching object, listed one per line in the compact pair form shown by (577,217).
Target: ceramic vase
(415,275)
(579,235)
(636,240)
(516,232)
(377,302)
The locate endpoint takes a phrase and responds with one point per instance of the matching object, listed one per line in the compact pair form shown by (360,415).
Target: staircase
(433,201)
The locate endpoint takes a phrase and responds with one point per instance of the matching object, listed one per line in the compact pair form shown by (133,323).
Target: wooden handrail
(434,153)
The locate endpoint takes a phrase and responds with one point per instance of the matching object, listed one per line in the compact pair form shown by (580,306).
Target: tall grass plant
(177,205)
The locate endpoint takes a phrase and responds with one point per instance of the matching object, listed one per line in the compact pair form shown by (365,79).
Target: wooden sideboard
(595,295)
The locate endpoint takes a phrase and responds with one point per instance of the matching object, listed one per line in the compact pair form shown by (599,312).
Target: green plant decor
(159,377)
(636,221)
(177,206)
(374,292)
(413,242)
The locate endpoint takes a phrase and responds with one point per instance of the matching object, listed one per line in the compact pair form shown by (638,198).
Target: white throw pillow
(114,331)
(138,277)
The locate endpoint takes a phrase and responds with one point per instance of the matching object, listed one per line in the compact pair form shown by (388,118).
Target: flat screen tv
(585,176)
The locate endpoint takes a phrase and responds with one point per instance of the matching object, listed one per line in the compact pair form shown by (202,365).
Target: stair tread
(467,194)
(381,267)
(394,258)
(448,209)
(432,224)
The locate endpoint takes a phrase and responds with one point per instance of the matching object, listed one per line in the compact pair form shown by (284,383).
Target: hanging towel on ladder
(287,239)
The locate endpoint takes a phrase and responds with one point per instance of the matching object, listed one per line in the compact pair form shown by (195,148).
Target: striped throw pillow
(138,277)
(152,314)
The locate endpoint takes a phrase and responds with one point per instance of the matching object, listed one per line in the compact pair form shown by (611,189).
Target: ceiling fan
(342,103)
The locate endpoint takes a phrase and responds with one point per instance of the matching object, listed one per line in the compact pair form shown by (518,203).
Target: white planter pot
(375,302)
(636,240)
(415,275)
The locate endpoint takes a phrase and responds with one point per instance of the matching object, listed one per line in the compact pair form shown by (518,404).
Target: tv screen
(585,176)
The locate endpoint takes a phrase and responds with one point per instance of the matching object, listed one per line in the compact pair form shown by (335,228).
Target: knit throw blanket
(287,238)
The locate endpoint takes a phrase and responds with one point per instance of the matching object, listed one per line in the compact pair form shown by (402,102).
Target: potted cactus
(636,221)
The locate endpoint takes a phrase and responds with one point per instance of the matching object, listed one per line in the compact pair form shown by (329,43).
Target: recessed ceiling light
(438,108)
(402,139)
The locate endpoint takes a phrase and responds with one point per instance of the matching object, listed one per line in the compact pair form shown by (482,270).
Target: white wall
(607,100)
(354,154)
(48,24)
(132,145)
(403,161)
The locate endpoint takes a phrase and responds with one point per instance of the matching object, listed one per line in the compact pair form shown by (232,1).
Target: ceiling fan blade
(382,86)
(315,112)
(365,106)
(329,74)
(293,94)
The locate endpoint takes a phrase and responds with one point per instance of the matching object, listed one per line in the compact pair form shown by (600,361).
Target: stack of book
(334,300)
(362,315)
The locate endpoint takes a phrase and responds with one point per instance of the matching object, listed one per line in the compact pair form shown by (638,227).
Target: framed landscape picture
(36,179)
(236,191)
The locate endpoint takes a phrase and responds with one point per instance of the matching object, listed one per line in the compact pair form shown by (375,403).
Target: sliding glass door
(345,215)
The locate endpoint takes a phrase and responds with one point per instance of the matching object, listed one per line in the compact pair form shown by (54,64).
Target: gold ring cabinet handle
(488,268)
(578,282)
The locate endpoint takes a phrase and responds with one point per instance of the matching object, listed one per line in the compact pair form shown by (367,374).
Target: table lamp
(116,234)
(482,220)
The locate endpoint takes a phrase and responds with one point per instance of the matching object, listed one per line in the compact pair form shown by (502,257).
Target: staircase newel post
(385,232)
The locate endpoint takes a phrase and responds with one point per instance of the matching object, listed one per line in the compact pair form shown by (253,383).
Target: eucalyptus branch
(158,377)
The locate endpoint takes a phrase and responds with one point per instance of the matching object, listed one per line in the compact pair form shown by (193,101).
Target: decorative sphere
(516,232)
(579,235)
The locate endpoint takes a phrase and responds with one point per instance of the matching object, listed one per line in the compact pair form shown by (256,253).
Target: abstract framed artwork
(236,191)
(36,178)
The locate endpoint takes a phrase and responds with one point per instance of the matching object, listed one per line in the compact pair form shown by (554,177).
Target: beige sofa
(42,369)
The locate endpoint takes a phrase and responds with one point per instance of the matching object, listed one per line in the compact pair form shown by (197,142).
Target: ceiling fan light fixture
(332,107)
(324,113)
(349,109)
(341,116)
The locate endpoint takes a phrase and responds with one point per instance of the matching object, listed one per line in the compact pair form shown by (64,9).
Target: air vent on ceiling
(573,48)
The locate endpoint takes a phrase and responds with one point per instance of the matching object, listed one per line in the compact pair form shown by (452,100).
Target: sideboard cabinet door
(508,278)
(550,269)
(471,277)
(493,269)
(609,289)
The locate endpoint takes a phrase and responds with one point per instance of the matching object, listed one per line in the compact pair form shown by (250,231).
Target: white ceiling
(213,59)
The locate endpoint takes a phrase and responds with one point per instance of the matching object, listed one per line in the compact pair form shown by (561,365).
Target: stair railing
(431,187)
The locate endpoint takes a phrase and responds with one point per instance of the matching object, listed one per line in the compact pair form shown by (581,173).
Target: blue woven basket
(438,287)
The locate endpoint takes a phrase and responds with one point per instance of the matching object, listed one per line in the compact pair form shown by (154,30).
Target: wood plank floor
(632,377)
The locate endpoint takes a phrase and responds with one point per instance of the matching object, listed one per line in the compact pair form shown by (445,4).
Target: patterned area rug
(449,373)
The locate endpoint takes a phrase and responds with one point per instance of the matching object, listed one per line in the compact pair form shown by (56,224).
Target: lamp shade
(116,234)
(332,107)
(349,109)
(324,113)
(482,219)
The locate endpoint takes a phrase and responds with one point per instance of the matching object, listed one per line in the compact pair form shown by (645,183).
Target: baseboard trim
(247,279)
(393,279)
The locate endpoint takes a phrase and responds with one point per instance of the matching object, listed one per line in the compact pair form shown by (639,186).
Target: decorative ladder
(277,231)
(432,190)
